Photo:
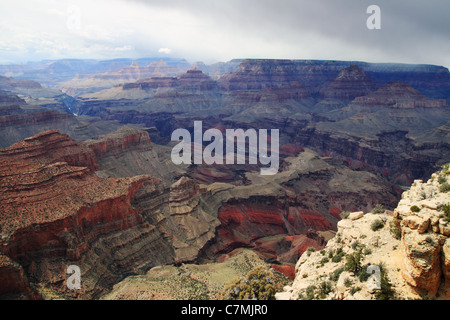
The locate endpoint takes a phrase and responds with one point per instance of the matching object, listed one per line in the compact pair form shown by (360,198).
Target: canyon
(87,179)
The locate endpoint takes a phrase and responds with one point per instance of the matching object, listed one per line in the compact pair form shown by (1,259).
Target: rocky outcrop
(351,82)
(409,246)
(55,215)
(425,233)
(118,141)
(50,147)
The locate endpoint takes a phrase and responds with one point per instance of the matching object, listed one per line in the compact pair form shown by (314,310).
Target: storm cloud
(411,31)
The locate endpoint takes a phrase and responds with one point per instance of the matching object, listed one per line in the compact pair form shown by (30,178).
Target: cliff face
(55,215)
(118,142)
(351,82)
(50,147)
(409,245)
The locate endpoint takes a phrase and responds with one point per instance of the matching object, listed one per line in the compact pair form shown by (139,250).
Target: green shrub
(378,209)
(311,292)
(395,230)
(445,187)
(446,168)
(354,290)
(415,209)
(377,225)
(353,262)
(446,209)
(338,256)
(355,245)
(347,282)
(325,288)
(363,275)
(258,284)
(442,180)
(310,250)
(386,292)
(334,276)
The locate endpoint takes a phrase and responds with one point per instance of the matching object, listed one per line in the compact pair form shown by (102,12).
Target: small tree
(386,292)
(353,262)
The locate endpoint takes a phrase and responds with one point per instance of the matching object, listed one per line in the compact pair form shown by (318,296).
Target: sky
(412,31)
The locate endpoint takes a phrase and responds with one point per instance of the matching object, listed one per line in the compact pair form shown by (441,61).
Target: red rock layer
(288,271)
(260,225)
(119,141)
(54,215)
(50,147)
(14,283)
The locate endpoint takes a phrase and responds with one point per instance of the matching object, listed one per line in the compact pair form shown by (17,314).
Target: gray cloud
(413,31)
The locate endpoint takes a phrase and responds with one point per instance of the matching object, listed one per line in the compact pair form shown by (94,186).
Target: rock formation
(351,82)
(410,245)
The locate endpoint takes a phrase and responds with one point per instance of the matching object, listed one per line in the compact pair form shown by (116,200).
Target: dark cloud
(413,31)
(420,29)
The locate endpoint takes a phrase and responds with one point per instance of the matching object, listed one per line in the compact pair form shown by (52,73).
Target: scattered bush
(311,292)
(377,225)
(386,292)
(395,230)
(347,282)
(442,180)
(310,250)
(446,209)
(378,209)
(415,209)
(334,276)
(338,256)
(445,187)
(446,168)
(354,290)
(258,284)
(325,288)
(363,275)
(353,262)
(355,245)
